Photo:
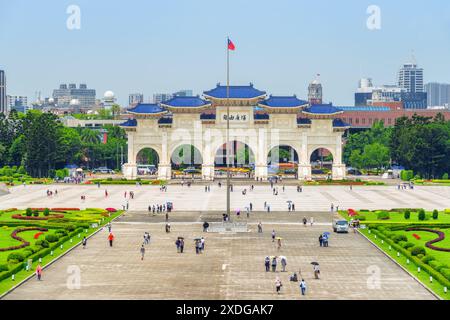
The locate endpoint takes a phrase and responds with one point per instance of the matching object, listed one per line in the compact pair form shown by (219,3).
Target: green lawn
(423,276)
(397,217)
(81,221)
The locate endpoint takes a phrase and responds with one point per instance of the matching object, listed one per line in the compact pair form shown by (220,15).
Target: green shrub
(417,250)
(399,237)
(51,238)
(427,259)
(435,214)
(361,218)
(46,212)
(36,213)
(3,267)
(29,212)
(445,176)
(71,227)
(383,215)
(446,273)
(421,215)
(61,233)
(43,243)
(406,175)
(407,214)
(408,245)
(15,256)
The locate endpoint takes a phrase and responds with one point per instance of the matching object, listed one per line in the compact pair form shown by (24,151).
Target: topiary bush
(4,267)
(43,243)
(417,250)
(399,237)
(15,256)
(51,238)
(28,212)
(46,212)
(446,273)
(36,213)
(407,214)
(408,245)
(421,215)
(383,215)
(427,259)
(435,214)
(445,176)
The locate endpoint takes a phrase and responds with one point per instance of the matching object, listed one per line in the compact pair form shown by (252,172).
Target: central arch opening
(241,160)
(282,160)
(321,163)
(147,161)
(186,161)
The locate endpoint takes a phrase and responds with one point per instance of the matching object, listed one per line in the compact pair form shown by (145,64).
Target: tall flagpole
(228,131)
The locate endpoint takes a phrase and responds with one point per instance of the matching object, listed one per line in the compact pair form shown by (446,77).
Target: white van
(340,225)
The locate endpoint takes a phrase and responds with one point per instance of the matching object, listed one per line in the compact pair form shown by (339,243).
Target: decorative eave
(147,110)
(186,109)
(326,111)
(186,104)
(283,104)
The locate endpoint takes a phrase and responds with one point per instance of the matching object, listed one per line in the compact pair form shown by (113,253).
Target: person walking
(267,263)
(273,235)
(279,243)
(84,242)
(274,264)
(181,245)
(278,285)
(321,240)
(316,270)
(303,287)
(304,221)
(311,221)
(142,252)
(39,272)
(283,264)
(202,244)
(260,227)
(177,243)
(110,239)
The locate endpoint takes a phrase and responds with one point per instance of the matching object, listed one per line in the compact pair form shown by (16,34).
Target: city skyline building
(135,98)
(410,77)
(438,94)
(160,97)
(3,102)
(66,93)
(19,103)
(315,93)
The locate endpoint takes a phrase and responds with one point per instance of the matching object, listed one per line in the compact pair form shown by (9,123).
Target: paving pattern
(313,198)
(231,268)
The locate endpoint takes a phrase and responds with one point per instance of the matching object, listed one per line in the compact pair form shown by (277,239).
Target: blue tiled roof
(207,116)
(303,121)
(340,124)
(363,108)
(129,123)
(185,101)
(236,92)
(165,120)
(261,116)
(146,108)
(322,109)
(283,102)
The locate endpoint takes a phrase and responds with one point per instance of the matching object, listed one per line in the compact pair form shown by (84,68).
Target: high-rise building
(135,98)
(19,103)
(438,94)
(3,103)
(160,97)
(65,94)
(410,78)
(315,91)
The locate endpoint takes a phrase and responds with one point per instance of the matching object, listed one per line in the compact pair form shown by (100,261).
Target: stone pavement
(313,198)
(232,266)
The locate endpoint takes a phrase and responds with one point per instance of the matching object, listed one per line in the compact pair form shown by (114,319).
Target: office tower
(65,94)
(3,102)
(19,103)
(135,98)
(410,78)
(438,94)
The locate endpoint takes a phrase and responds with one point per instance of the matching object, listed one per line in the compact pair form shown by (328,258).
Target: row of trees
(421,144)
(40,143)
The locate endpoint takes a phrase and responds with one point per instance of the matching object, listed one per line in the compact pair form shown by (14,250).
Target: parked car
(340,225)
(190,170)
(103,170)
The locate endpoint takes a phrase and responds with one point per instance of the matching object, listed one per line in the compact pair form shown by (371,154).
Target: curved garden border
(51,216)
(16,237)
(430,243)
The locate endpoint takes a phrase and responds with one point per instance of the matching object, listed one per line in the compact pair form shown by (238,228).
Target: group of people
(51,193)
(323,239)
(158,208)
(131,194)
(273,262)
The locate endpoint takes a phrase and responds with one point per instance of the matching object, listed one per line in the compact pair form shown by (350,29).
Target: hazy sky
(165,46)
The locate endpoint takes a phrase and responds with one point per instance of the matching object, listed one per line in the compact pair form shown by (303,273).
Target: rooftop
(186,101)
(322,109)
(283,102)
(236,92)
(146,108)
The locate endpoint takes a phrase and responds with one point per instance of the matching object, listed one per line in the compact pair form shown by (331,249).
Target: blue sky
(165,46)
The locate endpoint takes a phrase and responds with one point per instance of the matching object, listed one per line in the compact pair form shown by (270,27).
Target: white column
(164,166)
(304,166)
(338,170)
(129,169)
(261,171)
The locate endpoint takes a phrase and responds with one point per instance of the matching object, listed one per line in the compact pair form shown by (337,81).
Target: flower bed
(52,216)
(16,237)
(429,244)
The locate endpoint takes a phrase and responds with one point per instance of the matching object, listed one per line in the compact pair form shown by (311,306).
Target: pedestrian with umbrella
(316,270)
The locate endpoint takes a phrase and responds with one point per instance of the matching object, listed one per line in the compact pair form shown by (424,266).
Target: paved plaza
(313,198)
(232,266)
